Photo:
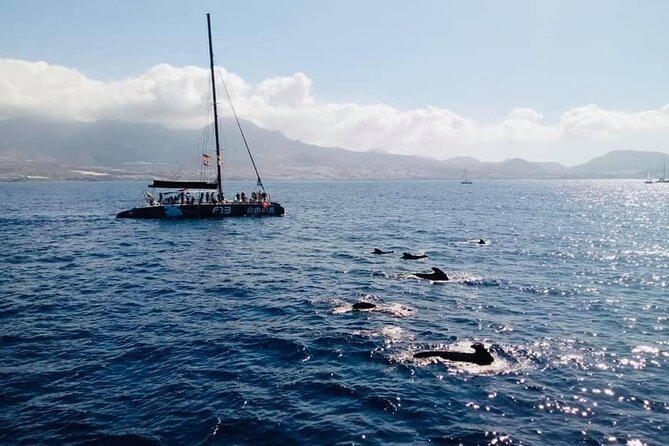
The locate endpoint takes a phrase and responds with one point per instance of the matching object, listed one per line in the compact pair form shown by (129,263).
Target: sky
(541,80)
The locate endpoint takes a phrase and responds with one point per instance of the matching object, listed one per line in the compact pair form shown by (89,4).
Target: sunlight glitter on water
(245,329)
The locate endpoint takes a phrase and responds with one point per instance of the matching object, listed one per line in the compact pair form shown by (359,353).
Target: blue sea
(241,331)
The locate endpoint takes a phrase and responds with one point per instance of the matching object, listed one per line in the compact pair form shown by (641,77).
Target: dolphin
(481,356)
(409,256)
(436,275)
(363,306)
(378,251)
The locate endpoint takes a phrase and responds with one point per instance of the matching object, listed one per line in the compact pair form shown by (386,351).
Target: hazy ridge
(122,150)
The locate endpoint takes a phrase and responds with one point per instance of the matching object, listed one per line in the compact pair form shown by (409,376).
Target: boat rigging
(193,199)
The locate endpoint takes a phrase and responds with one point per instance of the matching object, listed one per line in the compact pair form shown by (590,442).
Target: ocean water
(241,331)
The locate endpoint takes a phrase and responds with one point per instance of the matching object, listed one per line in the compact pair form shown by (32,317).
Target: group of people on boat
(205,198)
(256,197)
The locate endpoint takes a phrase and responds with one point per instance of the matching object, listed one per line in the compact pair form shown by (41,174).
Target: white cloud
(178,96)
(597,123)
(525,114)
(523,125)
(293,91)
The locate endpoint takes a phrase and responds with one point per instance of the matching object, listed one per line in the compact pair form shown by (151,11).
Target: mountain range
(121,150)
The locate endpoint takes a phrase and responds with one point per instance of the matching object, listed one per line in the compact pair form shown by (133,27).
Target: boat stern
(279,210)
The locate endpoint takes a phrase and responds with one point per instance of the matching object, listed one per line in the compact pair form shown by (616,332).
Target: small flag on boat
(205,159)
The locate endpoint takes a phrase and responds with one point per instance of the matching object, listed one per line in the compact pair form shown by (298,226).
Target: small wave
(245,429)
(646,349)
(330,388)
(474,437)
(397,310)
(391,334)
(287,349)
(393,309)
(574,353)
(384,404)
(125,439)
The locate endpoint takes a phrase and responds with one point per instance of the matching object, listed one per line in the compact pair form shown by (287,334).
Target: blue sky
(477,59)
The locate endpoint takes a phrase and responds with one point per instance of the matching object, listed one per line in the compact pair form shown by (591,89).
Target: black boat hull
(207,210)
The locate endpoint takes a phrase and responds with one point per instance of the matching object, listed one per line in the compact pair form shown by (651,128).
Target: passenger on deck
(237,197)
(243,197)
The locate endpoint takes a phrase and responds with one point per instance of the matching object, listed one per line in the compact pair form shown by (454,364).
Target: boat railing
(170,201)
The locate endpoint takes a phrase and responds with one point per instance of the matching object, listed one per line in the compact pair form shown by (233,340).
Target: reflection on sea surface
(243,331)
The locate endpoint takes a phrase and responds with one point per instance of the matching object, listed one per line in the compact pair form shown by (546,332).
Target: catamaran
(205,199)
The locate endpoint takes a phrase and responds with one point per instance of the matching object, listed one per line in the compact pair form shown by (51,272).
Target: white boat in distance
(648,180)
(465,180)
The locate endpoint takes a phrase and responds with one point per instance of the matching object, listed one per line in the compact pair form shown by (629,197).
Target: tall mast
(213,91)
